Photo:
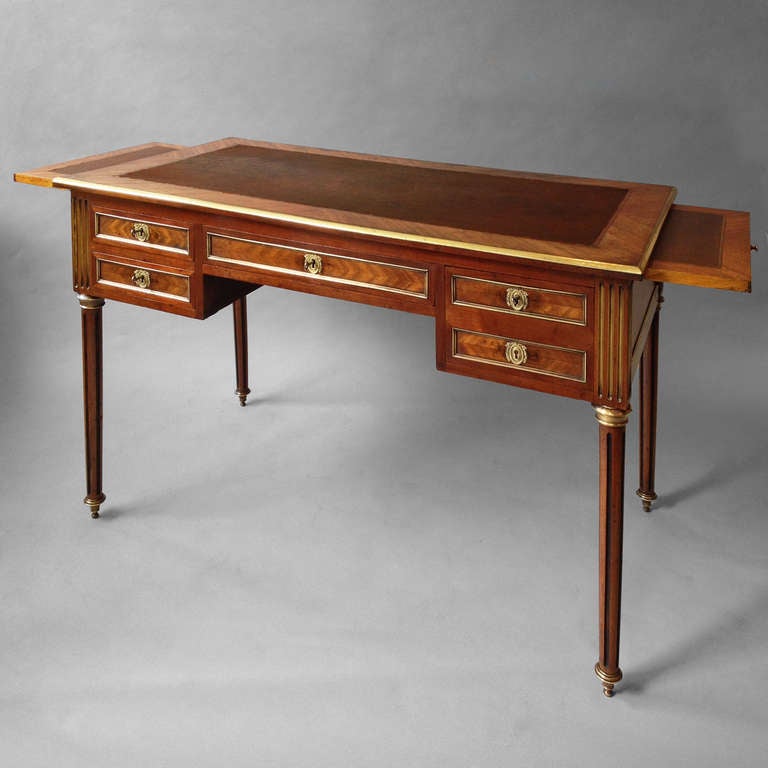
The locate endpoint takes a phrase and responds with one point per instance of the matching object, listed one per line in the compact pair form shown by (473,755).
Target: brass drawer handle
(140,231)
(517,299)
(313,263)
(141,278)
(516,353)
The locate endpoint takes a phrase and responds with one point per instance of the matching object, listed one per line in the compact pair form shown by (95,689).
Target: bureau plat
(546,282)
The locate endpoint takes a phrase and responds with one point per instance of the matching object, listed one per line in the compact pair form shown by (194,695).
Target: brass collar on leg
(612,417)
(89,302)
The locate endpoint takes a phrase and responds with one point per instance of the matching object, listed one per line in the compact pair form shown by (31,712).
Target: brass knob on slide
(516,353)
(517,299)
(141,278)
(140,231)
(313,263)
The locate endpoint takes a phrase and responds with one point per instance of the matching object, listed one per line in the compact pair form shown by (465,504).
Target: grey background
(375,564)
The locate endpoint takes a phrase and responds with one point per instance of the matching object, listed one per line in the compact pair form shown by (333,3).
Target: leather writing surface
(692,237)
(554,211)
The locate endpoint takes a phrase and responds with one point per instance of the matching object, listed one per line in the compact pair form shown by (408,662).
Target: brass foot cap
(608,679)
(647,498)
(242,394)
(95,503)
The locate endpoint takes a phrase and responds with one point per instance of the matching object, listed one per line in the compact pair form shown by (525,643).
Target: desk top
(596,224)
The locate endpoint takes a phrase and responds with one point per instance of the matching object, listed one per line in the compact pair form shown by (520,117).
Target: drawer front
(139,280)
(141,232)
(520,299)
(523,355)
(320,265)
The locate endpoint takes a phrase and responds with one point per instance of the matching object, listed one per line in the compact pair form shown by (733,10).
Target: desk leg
(649,377)
(612,433)
(241,348)
(90,313)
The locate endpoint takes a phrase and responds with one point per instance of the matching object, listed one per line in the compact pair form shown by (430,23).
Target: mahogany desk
(546,282)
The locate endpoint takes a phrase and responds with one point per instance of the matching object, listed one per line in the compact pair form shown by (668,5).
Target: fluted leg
(90,312)
(649,378)
(612,437)
(241,348)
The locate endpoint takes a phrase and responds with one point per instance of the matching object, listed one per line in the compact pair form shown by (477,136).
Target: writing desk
(547,282)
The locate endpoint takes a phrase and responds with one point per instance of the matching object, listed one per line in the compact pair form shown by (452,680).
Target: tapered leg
(241,348)
(612,433)
(90,312)
(649,385)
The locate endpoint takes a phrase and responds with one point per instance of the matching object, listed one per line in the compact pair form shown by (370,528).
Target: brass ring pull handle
(517,299)
(313,263)
(140,231)
(141,278)
(516,353)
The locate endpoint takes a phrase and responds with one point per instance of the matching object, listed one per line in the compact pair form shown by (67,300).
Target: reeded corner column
(240,314)
(90,312)
(649,388)
(613,424)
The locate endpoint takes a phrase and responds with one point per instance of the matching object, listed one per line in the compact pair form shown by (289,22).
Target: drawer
(320,265)
(140,280)
(522,299)
(521,355)
(141,232)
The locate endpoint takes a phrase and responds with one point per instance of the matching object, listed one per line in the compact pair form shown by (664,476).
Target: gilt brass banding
(313,263)
(140,231)
(516,353)
(517,299)
(141,278)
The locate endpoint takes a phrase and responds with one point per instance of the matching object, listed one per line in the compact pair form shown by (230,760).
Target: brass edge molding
(90,302)
(135,194)
(612,417)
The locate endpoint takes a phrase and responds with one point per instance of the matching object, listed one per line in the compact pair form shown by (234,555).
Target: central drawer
(319,265)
